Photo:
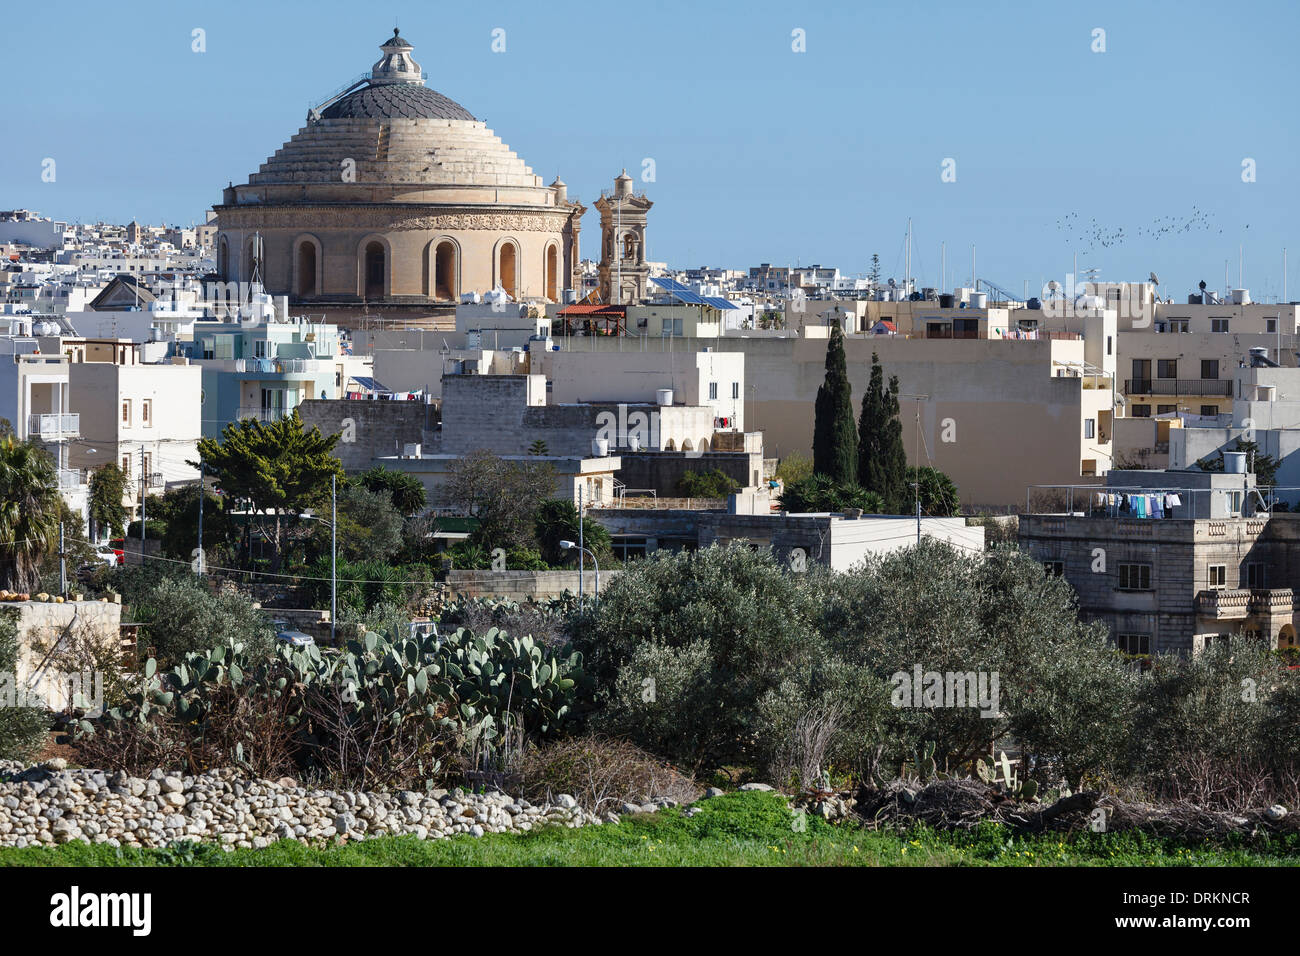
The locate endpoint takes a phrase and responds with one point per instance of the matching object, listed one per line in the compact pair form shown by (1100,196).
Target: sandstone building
(394,199)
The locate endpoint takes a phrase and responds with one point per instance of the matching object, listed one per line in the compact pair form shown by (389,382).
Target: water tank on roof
(1034,303)
(1234,462)
(664,396)
(979,300)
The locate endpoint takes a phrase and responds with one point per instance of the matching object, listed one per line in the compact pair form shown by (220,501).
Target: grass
(741,829)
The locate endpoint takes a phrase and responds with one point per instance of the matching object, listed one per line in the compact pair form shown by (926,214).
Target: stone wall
(378,428)
(662,470)
(522,585)
(49,632)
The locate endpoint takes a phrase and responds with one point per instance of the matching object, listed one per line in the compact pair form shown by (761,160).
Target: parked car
(104,554)
(295,638)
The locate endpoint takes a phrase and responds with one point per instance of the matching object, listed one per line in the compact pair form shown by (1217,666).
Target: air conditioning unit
(411,450)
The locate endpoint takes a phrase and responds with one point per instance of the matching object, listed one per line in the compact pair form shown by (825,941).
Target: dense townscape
(368,518)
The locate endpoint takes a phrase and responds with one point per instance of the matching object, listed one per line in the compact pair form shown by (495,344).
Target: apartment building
(264,370)
(143,417)
(1173,561)
(1265,410)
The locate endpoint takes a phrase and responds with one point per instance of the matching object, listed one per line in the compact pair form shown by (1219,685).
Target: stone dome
(392,139)
(394,194)
(404,101)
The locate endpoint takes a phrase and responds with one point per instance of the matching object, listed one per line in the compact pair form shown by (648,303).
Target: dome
(396,101)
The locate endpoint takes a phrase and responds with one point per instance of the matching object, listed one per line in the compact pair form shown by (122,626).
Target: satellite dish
(1202,285)
(891,283)
(1154,280)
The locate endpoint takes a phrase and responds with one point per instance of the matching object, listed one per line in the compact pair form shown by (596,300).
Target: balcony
(1234,604)
(70,478)
(54,427)
(266,415)
(1177,386)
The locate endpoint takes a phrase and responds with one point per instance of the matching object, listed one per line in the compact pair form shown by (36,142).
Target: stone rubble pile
(48,804)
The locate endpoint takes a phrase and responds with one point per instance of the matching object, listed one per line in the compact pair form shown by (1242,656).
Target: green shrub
(183,615)
(684,645)
(714,483)
(819,493)
(23,730)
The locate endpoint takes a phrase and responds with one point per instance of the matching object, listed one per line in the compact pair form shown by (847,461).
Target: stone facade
(393,195)
(378,429)
(1176,584)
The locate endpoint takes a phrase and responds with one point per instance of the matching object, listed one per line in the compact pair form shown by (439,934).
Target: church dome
(396,101)
(390,138)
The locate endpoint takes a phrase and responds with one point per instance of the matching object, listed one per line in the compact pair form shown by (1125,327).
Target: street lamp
(334,554)
(569,545)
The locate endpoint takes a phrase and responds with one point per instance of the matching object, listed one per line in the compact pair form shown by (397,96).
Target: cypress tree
(835,440)
(882,460)
(893,455)
(871,433)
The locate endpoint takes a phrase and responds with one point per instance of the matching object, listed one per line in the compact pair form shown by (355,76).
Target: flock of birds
(1092,235)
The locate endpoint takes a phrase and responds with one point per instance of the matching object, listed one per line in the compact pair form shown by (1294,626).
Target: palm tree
(29,512)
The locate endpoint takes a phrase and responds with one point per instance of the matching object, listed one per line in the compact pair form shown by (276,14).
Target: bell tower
(624,274)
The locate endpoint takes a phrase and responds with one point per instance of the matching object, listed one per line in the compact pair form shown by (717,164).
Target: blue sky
(761,154)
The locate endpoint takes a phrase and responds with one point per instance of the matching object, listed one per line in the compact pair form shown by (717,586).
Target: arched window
(306,268)
(374,271)
(552,273)
(444,271)
(223,259)
(687,445)
(508,268)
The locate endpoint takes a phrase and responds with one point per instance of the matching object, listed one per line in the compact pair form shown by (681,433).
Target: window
(1218,325)
(1141,411)
(1166,368)
(1256,576)
(713,391)
(1054,569)
(146,412)
(259,348)
(1270,325)
(1178,325)
(1209,368)
(938,330)
(1218,576)
(126,466)
(735,390)
(1089,427)
(1135,644)
(126,411)
(1135,577)
(1109,344)
(1209,410)
(1166,409)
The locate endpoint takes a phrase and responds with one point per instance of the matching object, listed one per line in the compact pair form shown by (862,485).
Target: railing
(281,366)
(54,426)
(260,414)
(1235,603)
(1178,386)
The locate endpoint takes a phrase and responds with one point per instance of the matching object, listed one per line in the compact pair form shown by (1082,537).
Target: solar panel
(723,304)
(688,297)
(671,285)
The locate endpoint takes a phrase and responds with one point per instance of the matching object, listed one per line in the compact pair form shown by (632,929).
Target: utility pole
(334,559)
(582,566)
(202,559)
(144,494)
(63,564)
